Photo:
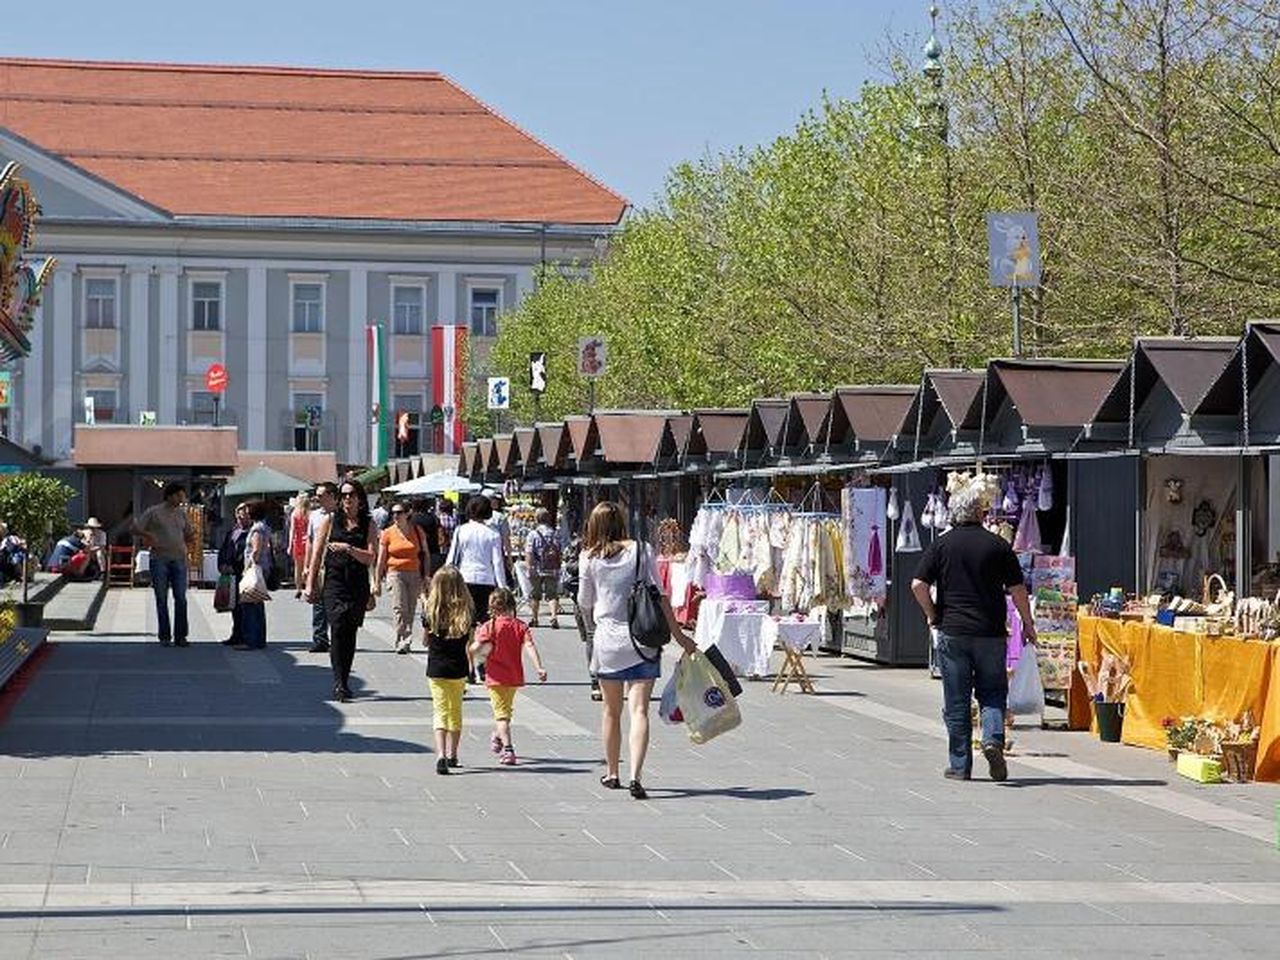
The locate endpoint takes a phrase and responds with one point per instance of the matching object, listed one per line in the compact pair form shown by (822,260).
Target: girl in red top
(501,643)
(298,539)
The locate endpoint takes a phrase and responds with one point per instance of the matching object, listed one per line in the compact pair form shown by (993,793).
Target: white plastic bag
(704,698)
(668,708)
(1026,692)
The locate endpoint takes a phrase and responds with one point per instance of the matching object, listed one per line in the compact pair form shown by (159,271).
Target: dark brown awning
(718,433)
(584,437)
(765,424)
(484,456)
(504,449)
(876,414)
(553,439)
(464,459)
(631,437)
(680,429)
(1188,368)
(1052,393)
(528,449)
(957,391)
(1261,344)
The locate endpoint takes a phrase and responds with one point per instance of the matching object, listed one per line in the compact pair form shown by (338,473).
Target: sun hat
(93,524)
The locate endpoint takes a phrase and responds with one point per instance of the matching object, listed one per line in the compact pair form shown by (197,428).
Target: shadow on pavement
(94,698)
(1081,782)
(730,793)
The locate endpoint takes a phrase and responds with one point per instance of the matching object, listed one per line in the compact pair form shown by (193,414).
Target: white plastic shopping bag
(1026,692)
(704,698)
(669,708)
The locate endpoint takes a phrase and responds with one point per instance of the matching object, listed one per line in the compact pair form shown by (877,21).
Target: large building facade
(263,218)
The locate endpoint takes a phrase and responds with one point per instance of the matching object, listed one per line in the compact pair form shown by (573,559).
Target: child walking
(446,624)
(503,640)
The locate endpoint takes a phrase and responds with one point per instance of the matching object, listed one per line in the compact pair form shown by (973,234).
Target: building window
(104,404)
(308,414)
(484,312)
(406,429)
(100,303)
(308,308)
(206,305)
(201,406)
(407,308)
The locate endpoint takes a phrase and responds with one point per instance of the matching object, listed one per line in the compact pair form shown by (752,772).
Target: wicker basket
(1238,760)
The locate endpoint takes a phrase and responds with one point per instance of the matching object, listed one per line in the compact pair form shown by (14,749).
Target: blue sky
(624,89)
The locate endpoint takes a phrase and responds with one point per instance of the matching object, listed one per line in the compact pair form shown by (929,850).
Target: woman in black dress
(349,540)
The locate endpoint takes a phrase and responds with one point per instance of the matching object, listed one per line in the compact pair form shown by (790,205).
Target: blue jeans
(319,624)
(253,624)
(972,666)
(164,574)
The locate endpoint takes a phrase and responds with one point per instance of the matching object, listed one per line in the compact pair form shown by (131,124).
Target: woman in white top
(607,570)
(476,551)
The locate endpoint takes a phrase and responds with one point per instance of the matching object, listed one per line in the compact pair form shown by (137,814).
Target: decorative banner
(1013,249)
(377,395)
(448,385)
(499,393)
(538,372)
(19,282)
(592,357)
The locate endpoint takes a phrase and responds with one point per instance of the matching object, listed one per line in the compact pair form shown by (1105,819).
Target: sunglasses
(348,493)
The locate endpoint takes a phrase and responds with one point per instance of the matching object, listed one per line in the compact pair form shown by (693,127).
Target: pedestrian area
(202,802)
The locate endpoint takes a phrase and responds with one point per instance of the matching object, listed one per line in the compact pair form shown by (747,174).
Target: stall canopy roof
(680,429)
(876,414)
(1049,393)
(765,424)
(717,433)
(264,480)
(1261,345)
(553,438)
(504,449)
(527,447)
(484,456)
(584,436)
(806,422)
(632,436)
(1187,367)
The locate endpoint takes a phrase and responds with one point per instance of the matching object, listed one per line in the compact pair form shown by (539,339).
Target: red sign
(215,378)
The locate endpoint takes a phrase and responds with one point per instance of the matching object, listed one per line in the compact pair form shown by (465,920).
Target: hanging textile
(908,536)
(864,513)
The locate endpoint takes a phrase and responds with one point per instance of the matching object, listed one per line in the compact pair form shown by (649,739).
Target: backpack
(546,551)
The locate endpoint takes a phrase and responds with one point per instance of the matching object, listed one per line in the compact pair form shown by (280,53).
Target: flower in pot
(1180,734)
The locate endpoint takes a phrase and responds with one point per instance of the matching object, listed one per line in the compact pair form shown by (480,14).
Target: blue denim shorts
(644,670)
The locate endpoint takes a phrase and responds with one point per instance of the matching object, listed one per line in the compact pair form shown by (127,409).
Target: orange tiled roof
(296,142)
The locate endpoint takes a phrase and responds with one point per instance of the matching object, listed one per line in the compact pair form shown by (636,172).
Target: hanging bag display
(645,618)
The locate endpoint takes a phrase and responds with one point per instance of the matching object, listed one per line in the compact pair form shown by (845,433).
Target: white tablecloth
(793,634)
(208,572)
(737,628)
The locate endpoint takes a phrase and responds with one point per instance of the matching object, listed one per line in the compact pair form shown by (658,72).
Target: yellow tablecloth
(1178,674)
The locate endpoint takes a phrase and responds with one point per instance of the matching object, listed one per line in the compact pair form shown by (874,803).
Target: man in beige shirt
(167,531)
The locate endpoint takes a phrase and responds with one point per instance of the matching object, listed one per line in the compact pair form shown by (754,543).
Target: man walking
(167,531)
(971,570)
(542,553)
(326,499)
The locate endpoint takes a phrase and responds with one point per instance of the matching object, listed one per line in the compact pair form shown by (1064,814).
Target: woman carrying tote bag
(611,568)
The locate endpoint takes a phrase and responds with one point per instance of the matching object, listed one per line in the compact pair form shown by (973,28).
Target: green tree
(35,508)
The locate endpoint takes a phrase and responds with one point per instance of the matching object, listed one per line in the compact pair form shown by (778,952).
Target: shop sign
(499,393)
(592,357)
(147,418)
(216,378)
(1013,249)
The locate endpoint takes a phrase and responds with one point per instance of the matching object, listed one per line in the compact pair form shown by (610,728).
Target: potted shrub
(1238,742)
(35,509)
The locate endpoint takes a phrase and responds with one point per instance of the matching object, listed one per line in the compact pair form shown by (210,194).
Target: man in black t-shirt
(971,570)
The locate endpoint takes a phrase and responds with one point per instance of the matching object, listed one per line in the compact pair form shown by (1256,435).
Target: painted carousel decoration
(21,280)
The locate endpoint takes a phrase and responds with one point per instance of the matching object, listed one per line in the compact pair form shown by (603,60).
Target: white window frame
(407,283)
(309,280)
(90,274)
(495,286)
(115,407)
(220,280)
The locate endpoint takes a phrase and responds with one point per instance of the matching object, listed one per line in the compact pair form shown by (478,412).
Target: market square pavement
(202,802)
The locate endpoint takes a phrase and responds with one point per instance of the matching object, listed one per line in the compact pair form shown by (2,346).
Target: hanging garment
(1028,535)
(875,562)
(891,511)
(1045,496)
(908,536)
(730,550)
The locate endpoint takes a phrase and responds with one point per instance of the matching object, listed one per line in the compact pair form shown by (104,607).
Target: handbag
(253,585)
(223,601)
(645,619)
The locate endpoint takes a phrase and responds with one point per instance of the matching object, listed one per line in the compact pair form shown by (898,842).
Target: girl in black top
(350,546)
(446,624)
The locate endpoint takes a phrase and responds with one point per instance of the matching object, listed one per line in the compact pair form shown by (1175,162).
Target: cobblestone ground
(201,802)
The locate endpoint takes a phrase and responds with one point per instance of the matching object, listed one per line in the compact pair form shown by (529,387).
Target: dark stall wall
(1104,523)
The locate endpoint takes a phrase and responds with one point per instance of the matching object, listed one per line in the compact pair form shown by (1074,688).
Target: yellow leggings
(503,701)
(446,702)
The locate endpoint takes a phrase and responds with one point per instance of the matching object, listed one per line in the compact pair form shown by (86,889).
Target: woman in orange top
(403,562)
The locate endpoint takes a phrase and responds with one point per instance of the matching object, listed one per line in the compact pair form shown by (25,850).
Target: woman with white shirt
(607,571)
(476,550)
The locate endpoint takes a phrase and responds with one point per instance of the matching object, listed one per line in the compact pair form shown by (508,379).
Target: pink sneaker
(495,743)
(508,758)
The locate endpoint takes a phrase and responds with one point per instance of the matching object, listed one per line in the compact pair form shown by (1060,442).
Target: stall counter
(1177,674)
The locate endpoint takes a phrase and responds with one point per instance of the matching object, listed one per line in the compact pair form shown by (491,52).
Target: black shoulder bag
(647,622)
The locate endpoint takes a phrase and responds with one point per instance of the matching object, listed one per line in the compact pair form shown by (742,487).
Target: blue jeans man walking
(166,574)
